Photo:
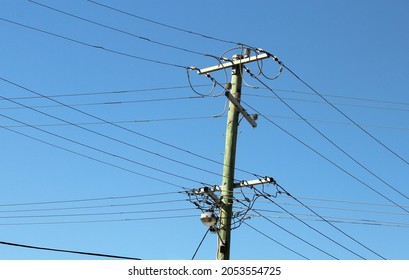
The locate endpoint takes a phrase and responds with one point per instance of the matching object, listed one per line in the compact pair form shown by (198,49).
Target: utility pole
(226,207)
(233,93)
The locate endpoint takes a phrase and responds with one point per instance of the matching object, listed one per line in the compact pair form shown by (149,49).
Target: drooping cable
(66,251)
(104,152)
(275,241)
(116,29)
(89,157)
(294,235)
(347,117)
(200,244)
(326,137)
(102,221)
(324,157)
(163,24)
(325,220)
(94,46)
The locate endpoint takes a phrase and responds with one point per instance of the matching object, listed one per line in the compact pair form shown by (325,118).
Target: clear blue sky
(354,53)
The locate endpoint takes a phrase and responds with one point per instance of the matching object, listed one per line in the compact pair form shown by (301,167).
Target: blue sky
(109,175)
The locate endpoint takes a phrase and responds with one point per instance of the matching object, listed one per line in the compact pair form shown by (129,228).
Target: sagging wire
(282,190)
(200,244)
(193,68)
(260,67)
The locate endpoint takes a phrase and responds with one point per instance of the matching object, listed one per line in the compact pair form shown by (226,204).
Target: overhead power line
(149,203)
(66,251)
(347,117)
(335,219)
(296,236)
(101,221)
(327,138)
(325,157)
(322,218)
(164,25)
(89,199)
(89,157)
(102,135)
(144,38)
(200,244)
(95,46)
(275,241)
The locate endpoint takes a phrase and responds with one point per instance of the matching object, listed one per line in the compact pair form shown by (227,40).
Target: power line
(164,25)
(296,236)
(326,137)
(66,251)
(94,206)
(139,90)
(102,135)
(275,241)
(105,152)
(335,103)
(350,202)
(324,157)
(202,118)
(95,46)
(340,96)
(108,102)
(349,209)
(309,226)
(200,244)
(144,38)
(96,214)
(88,199)
(329,223)
(101,221)
(346,116)
(115,125)
(335,219)
(114,92)
(91,158)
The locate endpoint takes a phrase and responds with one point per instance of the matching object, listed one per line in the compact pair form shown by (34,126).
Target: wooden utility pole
(227,187)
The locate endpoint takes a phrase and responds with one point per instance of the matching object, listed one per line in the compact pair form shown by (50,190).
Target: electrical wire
(324,157)
(203,118)
(200,244)
(167,99)
(116,29)
(100,221)
(95,214)
(93,206)
(88,199)
(105,152)
(275,241)
(311,227)
(335,219)
(66,251)
(350,202)
(326,137)
(347,117)
(318,215)
(296,236)
(91,158)
(95,46)
(128,91)
(350,209)
(111,92)
(163,24)
(103,135)
(112,124)
(335,103)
